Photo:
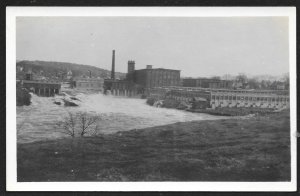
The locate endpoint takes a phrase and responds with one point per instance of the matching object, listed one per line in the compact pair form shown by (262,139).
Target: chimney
(90,73)
(149,67)
(113,65)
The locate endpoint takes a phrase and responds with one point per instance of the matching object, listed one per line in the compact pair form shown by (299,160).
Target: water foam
(37,121)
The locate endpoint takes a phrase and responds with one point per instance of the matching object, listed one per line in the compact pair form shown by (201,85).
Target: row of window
(261,104)
(162,82)
(249,98)
(89,84)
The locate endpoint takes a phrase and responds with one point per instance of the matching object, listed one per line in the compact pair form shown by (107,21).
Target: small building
(69,75)
(42,88)
(88,83)
(278,85)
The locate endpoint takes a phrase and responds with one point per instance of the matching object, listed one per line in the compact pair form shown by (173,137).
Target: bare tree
(216,77)
(286,80)
(79,123)
(68,125)
(96,130)
(253,83)
(86,122)
(241,77)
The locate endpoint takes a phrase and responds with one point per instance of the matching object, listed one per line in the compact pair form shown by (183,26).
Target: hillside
(51,69)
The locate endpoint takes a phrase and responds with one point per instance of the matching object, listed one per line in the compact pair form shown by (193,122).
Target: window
(269,99)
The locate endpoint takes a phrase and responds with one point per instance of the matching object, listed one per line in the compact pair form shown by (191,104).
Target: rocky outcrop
(67,100)
(158,104)
(70,103)
(184,105)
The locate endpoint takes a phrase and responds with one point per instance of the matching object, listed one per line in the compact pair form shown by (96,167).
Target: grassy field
(255,149)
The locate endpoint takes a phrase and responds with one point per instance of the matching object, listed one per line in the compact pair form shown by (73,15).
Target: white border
(11,174)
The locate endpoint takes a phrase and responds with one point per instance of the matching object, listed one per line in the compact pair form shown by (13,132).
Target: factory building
(207,83)
(138,82)
(88,83)
(219,98)
(40,87)
(150,77)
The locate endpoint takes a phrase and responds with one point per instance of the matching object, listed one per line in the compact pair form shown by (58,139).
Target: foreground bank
(255,149)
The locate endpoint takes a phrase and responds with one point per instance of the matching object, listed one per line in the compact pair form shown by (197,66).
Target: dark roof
(158,69)
(40,82)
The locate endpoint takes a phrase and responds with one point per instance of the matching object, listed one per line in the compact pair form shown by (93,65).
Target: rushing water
(37,121)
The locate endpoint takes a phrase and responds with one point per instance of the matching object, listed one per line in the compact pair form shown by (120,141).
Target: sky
(198,46)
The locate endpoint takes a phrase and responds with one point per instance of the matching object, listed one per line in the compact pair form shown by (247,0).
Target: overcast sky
(199,46)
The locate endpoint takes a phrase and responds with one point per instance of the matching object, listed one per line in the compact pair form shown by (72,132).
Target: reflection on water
(37,121)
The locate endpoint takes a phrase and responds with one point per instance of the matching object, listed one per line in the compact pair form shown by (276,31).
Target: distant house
(88,83)
(19,68)
(69,74)
(278,85)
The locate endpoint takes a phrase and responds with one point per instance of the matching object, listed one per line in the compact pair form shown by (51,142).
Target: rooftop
(159,69)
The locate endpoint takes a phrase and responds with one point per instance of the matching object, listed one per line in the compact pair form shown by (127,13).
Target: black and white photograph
(174,98)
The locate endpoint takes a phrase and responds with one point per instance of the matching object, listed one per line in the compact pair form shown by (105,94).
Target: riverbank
(226,111)
(203,107)
(255,149)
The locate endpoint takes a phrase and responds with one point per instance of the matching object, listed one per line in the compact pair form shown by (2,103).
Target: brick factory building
(150,77)
(138,82)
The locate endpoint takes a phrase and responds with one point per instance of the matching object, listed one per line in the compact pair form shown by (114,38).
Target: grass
(255,149)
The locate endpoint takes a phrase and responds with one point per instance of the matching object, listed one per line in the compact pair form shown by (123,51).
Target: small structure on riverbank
(41,88)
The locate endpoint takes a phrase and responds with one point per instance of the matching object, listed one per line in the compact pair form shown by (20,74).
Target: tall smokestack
(113,65)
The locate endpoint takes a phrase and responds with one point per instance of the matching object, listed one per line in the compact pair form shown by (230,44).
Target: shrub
(143,96)
(150,101)
(23,97)
(171,103)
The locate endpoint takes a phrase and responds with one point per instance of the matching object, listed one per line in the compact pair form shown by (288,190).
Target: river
(37,121)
